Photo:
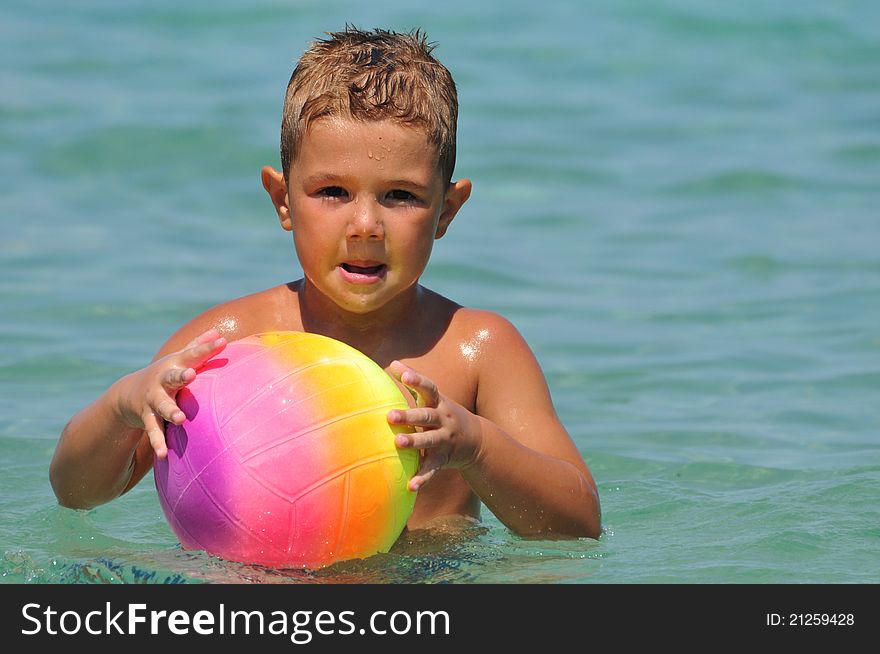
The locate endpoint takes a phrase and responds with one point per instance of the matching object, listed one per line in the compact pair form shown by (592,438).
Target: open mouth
(363,272)
(374,269)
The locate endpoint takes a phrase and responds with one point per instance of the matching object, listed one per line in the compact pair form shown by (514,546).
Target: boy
(367,151)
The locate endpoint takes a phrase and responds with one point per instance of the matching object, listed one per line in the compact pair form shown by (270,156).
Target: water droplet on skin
(370,154)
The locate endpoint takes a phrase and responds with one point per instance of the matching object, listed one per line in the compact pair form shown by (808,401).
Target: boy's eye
(332,192)
(399,195)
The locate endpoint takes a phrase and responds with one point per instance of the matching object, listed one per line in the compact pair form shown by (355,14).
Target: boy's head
(372,76)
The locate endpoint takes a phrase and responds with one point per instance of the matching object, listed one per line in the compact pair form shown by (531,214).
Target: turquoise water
(675,201)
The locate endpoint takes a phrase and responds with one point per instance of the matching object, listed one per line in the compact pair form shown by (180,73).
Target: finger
(176,378)
(431,465)
(424,417)
(155,433)
(196,355)
(424,440)
(168,410)
(205,337)
(427,392)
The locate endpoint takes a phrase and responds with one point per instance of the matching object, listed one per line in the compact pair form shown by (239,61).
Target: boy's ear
(456,195)
(276,187)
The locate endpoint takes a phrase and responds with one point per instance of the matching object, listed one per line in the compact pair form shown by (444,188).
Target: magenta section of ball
(209,504)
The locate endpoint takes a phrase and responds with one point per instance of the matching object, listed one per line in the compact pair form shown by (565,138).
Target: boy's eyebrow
(331,178)
(322,178)
(408,182)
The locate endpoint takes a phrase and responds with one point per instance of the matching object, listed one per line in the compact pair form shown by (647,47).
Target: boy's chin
(368,301)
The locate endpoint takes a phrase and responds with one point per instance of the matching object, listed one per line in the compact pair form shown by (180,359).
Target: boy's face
(366,201)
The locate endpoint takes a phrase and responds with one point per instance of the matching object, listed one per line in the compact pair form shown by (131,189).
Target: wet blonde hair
(372,75)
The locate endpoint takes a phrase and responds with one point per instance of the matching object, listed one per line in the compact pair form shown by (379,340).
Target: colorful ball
(286,458)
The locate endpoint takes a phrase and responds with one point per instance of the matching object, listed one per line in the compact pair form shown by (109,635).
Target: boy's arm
(108,447)
(514,453)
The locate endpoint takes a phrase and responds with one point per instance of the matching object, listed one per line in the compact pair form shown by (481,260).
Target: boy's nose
(366,222)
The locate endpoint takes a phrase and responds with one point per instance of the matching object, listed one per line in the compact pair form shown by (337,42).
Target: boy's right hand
(147,397)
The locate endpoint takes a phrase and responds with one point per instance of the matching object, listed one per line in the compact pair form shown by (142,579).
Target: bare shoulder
(486,335)
(266,310)
(506,369)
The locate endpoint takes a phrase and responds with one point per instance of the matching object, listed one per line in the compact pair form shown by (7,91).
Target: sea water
(676,202)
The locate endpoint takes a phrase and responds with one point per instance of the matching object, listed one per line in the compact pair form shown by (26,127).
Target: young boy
(367,152)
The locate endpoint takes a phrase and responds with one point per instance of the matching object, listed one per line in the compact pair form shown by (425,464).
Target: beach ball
(286,457)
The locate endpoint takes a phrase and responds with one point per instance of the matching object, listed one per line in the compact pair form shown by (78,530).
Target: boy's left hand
(449,434)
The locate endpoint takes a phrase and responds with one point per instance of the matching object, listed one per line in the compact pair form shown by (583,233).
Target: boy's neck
(373,333)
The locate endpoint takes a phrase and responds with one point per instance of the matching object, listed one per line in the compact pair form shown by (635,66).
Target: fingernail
(402,441)
(394,416)
(220,341)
